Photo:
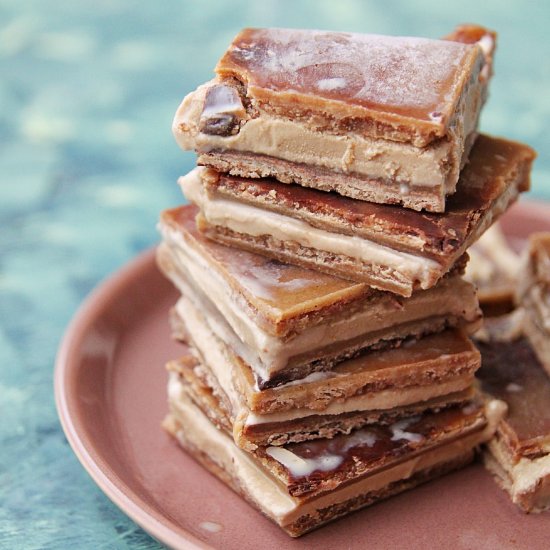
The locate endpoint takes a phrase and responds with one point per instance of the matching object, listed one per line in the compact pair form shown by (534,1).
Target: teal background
(87,161)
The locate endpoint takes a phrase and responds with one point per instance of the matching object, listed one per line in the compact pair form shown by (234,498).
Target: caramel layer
(408,87)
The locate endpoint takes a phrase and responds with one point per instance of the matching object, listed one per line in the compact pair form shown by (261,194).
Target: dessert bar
(377,118)
(378,386)
(387,247)
(518,454)
(304,485)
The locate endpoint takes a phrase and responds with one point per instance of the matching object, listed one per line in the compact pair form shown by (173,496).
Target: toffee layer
(287,322)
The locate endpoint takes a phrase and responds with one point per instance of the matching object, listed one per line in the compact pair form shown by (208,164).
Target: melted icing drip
(398,430)
(373,445)
(300,467)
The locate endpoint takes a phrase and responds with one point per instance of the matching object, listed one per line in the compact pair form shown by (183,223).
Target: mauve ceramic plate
(110,387)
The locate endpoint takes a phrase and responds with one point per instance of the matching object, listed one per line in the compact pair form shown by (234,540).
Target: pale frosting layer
(402,163)
(374,401)
(250,220)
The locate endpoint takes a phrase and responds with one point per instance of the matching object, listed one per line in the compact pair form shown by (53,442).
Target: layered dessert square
(286,322)
(533,294)
(377,118)
(493,269)
(375,387)
(386,247)
(301,486)
(519,453)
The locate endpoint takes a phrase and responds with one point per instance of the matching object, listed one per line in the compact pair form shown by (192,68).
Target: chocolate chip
(220,124)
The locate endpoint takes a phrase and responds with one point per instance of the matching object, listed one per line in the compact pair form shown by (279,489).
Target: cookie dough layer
(287,322)
(322,128)
(260,480)
(519,453)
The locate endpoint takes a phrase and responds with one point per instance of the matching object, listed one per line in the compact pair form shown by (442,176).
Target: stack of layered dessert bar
(341,181)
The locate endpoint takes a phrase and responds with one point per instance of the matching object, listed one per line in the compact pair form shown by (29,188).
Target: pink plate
(110,387)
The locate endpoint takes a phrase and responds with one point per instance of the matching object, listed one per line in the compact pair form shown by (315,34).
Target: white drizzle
(398,431)
(299,466)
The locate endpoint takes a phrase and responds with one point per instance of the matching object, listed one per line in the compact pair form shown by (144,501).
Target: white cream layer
(250,220)
(398,162)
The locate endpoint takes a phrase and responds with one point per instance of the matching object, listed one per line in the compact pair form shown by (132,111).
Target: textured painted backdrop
(87,161)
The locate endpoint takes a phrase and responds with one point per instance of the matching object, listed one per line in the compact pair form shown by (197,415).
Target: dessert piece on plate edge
(519,454)
(533,295)
(301,486)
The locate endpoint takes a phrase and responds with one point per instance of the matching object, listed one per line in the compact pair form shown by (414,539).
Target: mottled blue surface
(87,161)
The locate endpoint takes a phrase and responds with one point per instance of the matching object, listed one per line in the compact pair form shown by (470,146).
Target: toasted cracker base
(355,186)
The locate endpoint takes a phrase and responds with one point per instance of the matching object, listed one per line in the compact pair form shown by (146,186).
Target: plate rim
(103,475)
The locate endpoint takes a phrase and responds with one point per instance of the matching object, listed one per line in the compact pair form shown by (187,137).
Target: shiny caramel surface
(510,371)
(495,164)
(276,289)
(416,78)
(443,347)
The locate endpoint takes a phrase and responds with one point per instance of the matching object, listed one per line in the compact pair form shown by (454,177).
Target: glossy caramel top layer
(367,450)
(495,165)
(511,371)
(276,290)
(415,80)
